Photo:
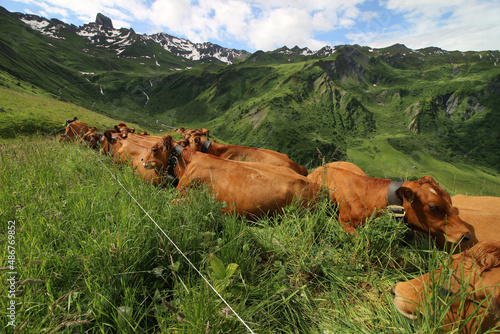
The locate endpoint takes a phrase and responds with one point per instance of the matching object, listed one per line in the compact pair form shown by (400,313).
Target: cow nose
(466,238)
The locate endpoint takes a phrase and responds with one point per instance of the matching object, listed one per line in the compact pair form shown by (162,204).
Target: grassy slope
(28,110)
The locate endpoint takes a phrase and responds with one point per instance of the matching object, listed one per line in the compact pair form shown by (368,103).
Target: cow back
(483,203)
(248,188)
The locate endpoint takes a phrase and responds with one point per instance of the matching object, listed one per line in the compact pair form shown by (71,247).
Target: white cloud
(454,25)
(261,24)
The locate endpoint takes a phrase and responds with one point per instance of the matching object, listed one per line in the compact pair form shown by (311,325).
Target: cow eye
(153,150)
(434,208)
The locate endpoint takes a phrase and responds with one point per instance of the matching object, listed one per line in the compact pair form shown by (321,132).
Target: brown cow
(483,226)
(188,133)
(244,153)
(74,129)
(428,207)
(482,203)
(132,149)
(91,138)
(322,171)
(108,143)
(123,128)
(481,214)
(248,188)
(470,285)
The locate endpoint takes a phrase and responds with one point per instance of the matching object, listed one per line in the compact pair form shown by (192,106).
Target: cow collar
(395,206)
(172,163)
(394,203)
(392,197)
(205,146)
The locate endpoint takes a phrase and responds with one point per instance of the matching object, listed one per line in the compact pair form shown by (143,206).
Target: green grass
(89,260)
(28,110)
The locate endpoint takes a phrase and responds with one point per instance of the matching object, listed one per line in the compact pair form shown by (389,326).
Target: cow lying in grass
(244,153)
(427,206)
(74,130)
(468,289)
(123,128)
(91,138)
(250,189)
(131,148)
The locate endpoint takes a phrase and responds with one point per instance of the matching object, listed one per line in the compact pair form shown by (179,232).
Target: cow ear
(405,193)
(167,142)
(427,179)
(197,140)
(132,130)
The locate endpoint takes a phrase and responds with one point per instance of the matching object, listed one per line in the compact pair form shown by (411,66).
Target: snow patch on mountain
(42,25)
(118,40)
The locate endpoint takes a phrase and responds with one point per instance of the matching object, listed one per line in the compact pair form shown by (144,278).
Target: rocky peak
(103,20)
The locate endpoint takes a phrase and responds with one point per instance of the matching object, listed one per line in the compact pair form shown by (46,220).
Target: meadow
(88,259)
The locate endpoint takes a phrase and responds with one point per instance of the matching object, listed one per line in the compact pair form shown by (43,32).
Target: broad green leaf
(217,266)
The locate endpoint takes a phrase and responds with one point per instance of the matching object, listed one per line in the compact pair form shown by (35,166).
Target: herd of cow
(254,182)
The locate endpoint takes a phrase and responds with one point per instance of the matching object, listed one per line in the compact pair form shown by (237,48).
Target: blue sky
(269,24)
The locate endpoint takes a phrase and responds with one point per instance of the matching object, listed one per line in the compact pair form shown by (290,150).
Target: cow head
(124,129)
(428,208)
(91,137)
(205,132)
(107,140)
(196,143)
(159,155)
(470,287)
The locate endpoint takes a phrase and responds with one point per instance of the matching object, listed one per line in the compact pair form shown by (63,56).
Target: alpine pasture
(88,259)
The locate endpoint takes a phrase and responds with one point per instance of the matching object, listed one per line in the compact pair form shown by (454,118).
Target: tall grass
(89,260)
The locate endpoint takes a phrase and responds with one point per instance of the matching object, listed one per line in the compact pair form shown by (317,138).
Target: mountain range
(344,102)
(102,34)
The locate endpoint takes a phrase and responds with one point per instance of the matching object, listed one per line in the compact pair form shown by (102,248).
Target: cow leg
(351,215)
(348,227)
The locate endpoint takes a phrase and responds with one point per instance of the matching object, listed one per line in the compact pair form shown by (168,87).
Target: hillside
(26,110)
(396,112)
